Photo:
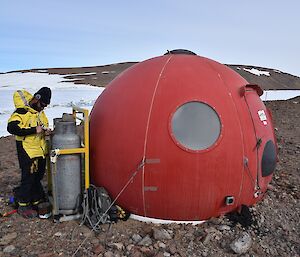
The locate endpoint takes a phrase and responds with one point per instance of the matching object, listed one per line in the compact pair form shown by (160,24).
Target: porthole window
(196,126)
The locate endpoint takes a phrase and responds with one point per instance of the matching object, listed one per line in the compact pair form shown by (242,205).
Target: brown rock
(99,249)
(95,241)
(136,253)
(46,255)
(5,240)
(147,251)
(109,254)
(146,230)
(173,248)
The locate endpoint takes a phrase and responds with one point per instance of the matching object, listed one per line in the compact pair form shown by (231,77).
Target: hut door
(260,121)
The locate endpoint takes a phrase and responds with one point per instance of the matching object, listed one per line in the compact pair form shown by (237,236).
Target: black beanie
(44,95)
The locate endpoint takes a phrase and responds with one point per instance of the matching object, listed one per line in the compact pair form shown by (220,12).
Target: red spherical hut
(202,137)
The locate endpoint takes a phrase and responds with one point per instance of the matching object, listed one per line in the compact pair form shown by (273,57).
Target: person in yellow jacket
(29,124)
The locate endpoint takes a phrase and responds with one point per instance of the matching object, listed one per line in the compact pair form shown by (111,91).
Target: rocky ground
(275,232)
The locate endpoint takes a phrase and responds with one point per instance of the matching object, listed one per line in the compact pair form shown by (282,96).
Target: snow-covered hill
(82,86)
(64,94)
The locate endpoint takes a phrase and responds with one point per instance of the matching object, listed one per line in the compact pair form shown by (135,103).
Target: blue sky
(42,34)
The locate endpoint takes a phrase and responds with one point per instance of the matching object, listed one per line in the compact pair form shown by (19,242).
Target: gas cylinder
(67,176)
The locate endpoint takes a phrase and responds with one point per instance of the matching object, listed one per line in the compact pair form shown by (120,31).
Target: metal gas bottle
(68,167)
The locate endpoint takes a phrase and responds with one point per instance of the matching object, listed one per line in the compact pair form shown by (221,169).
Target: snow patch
(72,79)
(32,81)
(107,72)
(81,74)
(257,72)
(64,94)
(273,95)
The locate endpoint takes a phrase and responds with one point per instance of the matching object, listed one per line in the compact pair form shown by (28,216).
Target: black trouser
(31,189)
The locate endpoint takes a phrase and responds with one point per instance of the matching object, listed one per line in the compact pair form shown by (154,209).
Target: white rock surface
(242,244)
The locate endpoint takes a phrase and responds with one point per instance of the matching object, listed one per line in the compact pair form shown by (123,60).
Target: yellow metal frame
(85,149)
(86,146)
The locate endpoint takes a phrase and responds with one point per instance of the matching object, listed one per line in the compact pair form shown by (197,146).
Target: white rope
(255,184)
(147,127)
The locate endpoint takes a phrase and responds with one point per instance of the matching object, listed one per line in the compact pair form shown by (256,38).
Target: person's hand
(39,129)
(47,132)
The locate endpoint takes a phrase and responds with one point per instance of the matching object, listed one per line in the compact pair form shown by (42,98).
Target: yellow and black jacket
(23,123)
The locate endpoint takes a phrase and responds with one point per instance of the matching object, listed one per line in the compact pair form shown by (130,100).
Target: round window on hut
(196,126)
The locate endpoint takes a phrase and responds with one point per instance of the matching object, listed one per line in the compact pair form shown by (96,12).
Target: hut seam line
(147,129)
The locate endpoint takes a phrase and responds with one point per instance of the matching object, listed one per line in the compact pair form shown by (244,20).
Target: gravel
(275,231)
